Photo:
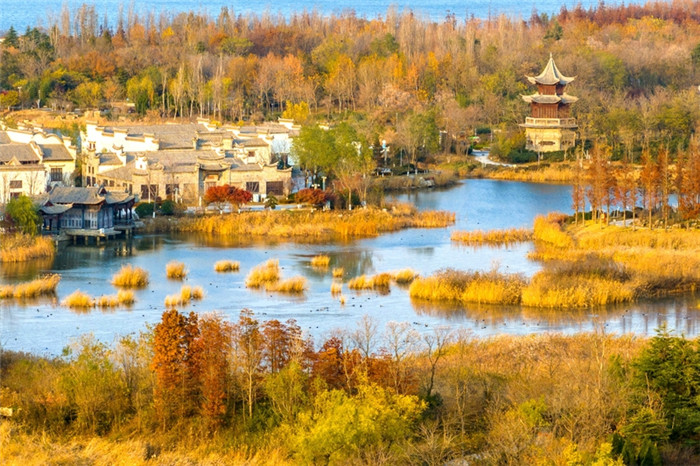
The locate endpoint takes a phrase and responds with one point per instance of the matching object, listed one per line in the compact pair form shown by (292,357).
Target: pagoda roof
(549,99)
(550,75)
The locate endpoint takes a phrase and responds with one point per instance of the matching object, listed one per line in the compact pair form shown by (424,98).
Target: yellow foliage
(377,282)
(338,272)
(404,276)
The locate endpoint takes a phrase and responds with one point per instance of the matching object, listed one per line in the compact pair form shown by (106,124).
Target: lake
(45,327)
(23,13)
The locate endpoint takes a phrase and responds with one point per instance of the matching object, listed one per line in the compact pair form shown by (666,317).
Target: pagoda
(550,128)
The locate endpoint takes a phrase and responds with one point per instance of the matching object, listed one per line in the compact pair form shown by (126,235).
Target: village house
(86,212)
(181,161)
(32,161)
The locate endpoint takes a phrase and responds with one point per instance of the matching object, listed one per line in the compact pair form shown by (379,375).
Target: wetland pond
(45,326)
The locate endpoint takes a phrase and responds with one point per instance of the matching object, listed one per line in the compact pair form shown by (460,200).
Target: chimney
(195,143)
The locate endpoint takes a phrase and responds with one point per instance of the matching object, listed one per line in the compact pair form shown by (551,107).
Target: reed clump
(289,285)
(338,272)
(126,297)
(183,298)
(312,225)
(175,270)
(320,261)
(107,301)
(79,300)
(548,231)
(130,277)
(381,282)
(20,248)
(555,173)
(404,276)
(260,275)
(469,287)
(492,237)
(336,288)
(33,289)
(227,266)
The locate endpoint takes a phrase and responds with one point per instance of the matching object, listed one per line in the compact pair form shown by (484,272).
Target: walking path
(483,157)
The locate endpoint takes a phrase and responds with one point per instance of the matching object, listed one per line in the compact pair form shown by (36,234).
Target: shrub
(130,277)
(144,209)
(310,196)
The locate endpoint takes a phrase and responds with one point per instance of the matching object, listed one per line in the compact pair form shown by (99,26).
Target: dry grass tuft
(336,288)
(130,277)
(321,261)
(494,237)
(126,297)
(380,281)
(183,298)
(175,270)
(404,276)
(79,300)
(20,248)
(338,272)
(197,293)
(33,289)
(227,266)
(260,275)
(290,285)
(342,300)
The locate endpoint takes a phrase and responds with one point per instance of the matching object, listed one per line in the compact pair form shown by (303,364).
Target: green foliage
(167,207)
(236,46)
(340,426)
(287,391)
(144,209)
(24,215)
(670,369)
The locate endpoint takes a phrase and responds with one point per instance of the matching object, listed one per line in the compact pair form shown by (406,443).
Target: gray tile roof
(171,136)
(23,152)
(55,152)
(550,75)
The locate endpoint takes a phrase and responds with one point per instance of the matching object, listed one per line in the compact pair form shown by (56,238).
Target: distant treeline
(199,388)
(636,68)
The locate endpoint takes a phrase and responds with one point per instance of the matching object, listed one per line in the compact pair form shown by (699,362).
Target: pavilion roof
(550,75)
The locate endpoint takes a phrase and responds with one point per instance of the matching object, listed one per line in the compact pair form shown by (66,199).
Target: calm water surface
(23,13)
(46,326)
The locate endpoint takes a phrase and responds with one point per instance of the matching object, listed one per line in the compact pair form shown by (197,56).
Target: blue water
(45,326)
(23,13)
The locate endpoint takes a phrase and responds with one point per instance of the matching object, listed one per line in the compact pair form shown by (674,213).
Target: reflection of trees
(27,270)
(354,262)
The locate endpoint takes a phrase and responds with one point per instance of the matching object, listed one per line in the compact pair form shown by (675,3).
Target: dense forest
(636,68)
(198,388)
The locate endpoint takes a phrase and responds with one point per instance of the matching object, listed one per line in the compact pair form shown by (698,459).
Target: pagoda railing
(550,121)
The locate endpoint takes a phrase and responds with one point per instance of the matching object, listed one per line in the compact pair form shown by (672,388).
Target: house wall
(549,139)
(17,180)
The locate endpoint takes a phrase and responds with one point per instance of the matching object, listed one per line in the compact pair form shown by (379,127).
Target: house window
(16,184)
(14,195)
(252,186)
(171,190)
(57,174)
(146,194)
(209,184)
(275,187)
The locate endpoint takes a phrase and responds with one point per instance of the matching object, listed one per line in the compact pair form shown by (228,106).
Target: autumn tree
(247,351)
(175,366)
(226,194)
(649,182)
(211,350)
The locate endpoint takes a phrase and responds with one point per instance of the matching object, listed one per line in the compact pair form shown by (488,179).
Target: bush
(167,207)
(144,209)
(311,196)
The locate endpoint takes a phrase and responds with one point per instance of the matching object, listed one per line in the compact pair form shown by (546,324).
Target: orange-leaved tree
(176,389)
